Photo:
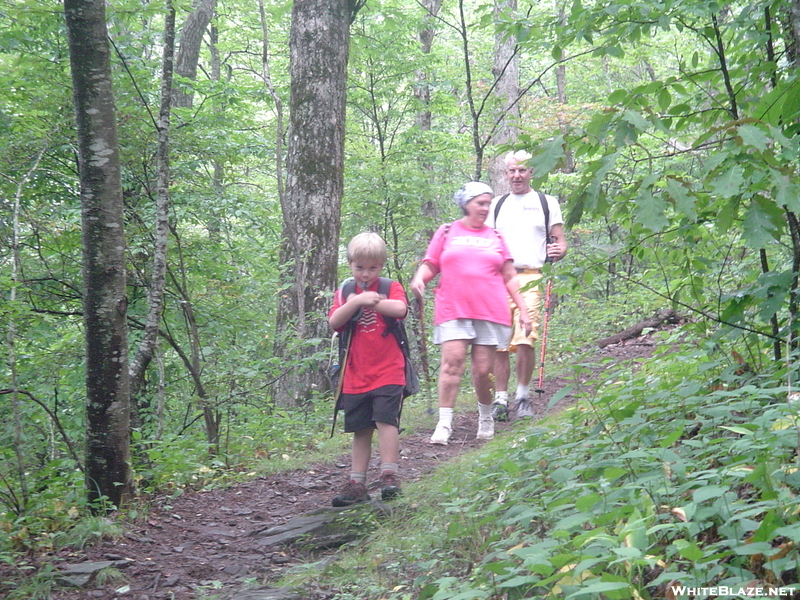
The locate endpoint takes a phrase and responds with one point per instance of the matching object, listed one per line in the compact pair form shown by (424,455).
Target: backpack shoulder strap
(384,286)
(348,287)
(546,211)
(498,205)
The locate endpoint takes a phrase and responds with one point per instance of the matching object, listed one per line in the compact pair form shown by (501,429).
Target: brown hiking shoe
(390,485)
(353,493)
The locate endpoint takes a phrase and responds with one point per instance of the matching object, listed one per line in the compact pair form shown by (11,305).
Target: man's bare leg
(526,360)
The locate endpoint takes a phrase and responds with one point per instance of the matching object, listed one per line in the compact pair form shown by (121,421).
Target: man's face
(519,176)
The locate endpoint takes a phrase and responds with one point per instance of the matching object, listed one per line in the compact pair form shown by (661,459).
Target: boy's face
(366,271)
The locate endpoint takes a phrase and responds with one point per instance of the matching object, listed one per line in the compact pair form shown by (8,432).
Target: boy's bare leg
(362,450)
(388,443)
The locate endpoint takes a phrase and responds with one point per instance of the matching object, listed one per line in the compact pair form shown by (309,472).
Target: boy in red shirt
(374,372)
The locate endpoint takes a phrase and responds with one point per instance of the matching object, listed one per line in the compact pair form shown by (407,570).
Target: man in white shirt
(520,218)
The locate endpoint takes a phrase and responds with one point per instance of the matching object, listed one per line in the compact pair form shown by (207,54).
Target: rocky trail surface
(212,543)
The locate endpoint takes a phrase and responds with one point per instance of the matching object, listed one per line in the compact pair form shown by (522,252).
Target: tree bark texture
(424,116)
(191,41)
(104,303)
(793,35)
(506,73)
(318,46)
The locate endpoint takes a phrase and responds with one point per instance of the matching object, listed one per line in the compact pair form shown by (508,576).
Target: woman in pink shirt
(476,273)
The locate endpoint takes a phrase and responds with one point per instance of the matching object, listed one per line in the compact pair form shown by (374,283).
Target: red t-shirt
(374,360)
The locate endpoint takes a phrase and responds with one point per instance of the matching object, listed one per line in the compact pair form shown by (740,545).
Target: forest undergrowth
(674,479)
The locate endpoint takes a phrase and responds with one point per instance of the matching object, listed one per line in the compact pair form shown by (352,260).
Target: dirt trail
(201,538)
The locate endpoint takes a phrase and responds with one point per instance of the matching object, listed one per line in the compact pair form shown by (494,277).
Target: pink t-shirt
(375,359)
(470,264)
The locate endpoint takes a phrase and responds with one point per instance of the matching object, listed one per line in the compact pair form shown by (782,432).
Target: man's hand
(556,250)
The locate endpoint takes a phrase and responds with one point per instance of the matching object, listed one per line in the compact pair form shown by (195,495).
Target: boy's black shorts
(379,405)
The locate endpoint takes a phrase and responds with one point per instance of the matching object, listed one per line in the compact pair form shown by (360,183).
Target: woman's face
(477,209)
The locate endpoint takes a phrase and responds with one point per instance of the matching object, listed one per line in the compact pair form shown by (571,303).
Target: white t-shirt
(521,223)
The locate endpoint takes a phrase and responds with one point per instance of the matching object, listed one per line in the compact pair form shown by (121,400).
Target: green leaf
(689,550)
(786,191)
(739,430)
(649,212)
(599,587)
(708,492)
(753,136)
(684,202)
(730,183)
(758,228)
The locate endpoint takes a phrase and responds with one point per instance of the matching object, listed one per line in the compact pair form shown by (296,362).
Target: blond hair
(367,246)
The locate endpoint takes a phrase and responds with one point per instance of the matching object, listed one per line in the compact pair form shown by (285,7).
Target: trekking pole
(351,329)
(542,353)
(424,354)
(340,383)
(545,321)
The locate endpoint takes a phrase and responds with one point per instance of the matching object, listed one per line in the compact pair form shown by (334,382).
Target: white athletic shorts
(483,333)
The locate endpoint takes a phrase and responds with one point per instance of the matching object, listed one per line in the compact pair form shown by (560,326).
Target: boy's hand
(365,299)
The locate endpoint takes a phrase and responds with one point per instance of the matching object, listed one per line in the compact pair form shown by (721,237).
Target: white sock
(446,417)
(484,410)
(522,391)
(392,467)
(501,397)
(358,476)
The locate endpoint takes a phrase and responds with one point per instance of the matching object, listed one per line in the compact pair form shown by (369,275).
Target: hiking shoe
(390,485)
(523,409)
(499,411)
(485,428)
(441,435)
(353,493)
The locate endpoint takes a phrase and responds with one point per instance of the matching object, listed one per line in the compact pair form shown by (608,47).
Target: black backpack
(393,326)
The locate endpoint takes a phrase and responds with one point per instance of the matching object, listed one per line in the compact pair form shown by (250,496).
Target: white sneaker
(441,435)
(485,428)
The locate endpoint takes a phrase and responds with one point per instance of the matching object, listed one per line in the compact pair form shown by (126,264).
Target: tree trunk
(189,52)
(506,73)
(155,293)
(561,87)
(424,119)
(104,303)
(793,34)
(318,47)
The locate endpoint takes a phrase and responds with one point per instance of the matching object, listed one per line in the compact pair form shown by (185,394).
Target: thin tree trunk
(561,90)
(12,330)
(267,78)
(108,472)
(155,292)
(424,116)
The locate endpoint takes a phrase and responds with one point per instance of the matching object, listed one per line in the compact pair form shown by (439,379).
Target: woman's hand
(417,286)
(525,322)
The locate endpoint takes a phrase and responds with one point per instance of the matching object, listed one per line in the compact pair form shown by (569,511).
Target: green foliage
(652,480)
